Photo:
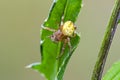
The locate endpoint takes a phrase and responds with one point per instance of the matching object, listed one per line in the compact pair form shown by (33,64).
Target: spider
(64,33)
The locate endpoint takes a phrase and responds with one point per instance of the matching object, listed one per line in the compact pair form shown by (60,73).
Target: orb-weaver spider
(64,33)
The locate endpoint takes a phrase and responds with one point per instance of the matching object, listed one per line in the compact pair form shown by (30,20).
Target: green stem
(106,43)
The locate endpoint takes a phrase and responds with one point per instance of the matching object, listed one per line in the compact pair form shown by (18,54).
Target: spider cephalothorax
(64,33)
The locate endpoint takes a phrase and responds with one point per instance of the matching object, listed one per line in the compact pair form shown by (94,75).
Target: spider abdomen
(68,28)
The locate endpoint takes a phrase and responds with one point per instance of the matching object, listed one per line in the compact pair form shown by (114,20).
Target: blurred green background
(20,22)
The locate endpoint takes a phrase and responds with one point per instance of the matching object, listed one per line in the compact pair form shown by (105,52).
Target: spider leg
(49,29)
(63,49)
(74,34)
(69,45)
(62,20)
(67,41)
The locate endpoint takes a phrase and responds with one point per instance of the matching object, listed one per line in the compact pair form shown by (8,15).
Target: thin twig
(110,31)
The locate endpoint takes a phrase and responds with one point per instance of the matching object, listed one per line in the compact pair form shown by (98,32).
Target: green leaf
(113,73)
(72,10)
(119,21)
(50,67)
(119,17)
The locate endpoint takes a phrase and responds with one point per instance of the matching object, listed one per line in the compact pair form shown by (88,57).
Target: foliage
(50,67)
(113,73)
(68,10)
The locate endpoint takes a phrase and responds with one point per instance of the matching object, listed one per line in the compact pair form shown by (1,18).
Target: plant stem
(106,43)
